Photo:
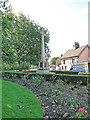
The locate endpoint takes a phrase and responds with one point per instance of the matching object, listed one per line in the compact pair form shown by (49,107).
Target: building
(76,55)
(58,62)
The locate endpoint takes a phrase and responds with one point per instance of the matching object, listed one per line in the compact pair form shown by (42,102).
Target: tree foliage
(53,61)
(21,38)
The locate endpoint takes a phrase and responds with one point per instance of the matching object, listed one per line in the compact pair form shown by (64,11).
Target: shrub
(65,72)
(16,66)
(83,73)
(24,65)
(51,77)
(6,66)
(37,80)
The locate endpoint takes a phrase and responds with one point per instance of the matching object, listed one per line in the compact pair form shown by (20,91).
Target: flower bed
(59,98)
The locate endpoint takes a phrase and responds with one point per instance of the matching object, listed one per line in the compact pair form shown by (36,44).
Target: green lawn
(19,102)
(0,99)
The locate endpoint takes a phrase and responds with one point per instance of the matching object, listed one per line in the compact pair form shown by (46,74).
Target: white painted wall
(68,63)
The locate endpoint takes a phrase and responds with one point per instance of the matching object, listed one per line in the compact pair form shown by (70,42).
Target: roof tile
(73,53)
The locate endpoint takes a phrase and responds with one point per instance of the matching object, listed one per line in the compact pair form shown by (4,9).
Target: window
(65,67)
(76,61)
(63,61)
(73,61)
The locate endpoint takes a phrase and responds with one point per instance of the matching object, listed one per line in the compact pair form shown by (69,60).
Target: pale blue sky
(67,20)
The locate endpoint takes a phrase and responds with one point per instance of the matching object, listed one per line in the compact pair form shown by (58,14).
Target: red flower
(80,109)
(86,112)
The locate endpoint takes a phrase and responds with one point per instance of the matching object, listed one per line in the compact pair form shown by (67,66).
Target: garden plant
(58,97)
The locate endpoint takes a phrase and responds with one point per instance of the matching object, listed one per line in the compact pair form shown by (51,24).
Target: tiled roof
(73,53)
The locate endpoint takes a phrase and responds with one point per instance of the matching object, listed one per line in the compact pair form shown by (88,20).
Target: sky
(66,20)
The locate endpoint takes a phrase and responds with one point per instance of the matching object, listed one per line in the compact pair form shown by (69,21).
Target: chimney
(76,45)
(61,55)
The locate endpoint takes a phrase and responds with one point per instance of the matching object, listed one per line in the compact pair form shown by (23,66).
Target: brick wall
(84,55)
(58,62)
(89,56)
(88,52)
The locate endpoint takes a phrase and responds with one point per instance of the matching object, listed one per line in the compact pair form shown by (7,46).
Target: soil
(56,96)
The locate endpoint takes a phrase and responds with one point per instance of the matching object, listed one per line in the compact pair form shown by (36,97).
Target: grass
(0,100)
(19,102)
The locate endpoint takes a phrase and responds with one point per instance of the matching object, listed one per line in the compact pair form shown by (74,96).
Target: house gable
(89,55)
(73,56)
(73,53)
(83,56)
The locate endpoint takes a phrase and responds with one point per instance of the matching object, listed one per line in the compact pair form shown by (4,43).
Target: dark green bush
(6,66)
(23,66)
(33,71)
(83,73)
(50,77)
(15,66)
(65,72)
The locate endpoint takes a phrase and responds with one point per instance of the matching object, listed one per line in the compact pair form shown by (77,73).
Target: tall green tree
(21,38)
(29,40)
(53,61)
(8,53)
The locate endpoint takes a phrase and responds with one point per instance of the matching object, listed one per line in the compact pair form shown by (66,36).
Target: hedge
(65,72)
(49,77)
(83,73)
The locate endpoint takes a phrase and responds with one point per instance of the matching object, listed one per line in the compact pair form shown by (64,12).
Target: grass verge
(19,102)
(0,100)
